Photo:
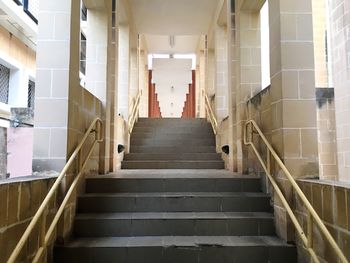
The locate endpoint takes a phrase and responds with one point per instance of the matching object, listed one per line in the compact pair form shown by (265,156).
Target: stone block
(13,203)
(341,208)
(25,210)
(4,189)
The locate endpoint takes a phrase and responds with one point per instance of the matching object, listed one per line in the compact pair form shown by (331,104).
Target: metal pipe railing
(40,216)
(135,112)
(313,218)
(210,112)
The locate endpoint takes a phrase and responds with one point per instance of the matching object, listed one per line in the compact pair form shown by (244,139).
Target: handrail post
(268,160)
(43,229)
(80,161)
(310,231)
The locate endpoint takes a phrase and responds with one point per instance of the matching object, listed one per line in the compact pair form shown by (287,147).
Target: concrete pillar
(124,68)
(99,40)
(293,107)
(221,77)
(340,23)
(57,77)
(249,75)
(202,83)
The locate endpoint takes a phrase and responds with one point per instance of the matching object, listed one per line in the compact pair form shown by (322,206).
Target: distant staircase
(172,144)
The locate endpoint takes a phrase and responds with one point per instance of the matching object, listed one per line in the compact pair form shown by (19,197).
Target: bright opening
(265,46)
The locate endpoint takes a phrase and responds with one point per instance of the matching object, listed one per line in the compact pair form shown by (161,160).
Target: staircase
(172,144)
(186,215)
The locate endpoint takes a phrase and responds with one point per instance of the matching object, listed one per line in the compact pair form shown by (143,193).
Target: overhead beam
(252,5)
(94,4)
(214,22)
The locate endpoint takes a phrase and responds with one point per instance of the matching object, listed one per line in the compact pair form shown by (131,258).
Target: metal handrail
(134,112)
(312,214)
(210,112)
(40,215)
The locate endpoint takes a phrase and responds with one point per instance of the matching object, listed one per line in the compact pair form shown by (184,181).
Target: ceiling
(187,20)
(161,44)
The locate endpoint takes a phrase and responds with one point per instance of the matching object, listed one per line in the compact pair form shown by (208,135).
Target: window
(265,46)
(83,13)
(83,54)
(4,84)
(31,94)
(31,7)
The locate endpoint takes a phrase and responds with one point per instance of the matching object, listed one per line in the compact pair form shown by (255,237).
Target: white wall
(172,78)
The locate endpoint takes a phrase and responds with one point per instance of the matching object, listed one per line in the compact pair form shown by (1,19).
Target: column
(340,23)
(293,107)
(57,79)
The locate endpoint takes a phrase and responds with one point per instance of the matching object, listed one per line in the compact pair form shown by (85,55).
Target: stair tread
(178,241)
(175,174)
(176,215)
(172,161)
(178,194)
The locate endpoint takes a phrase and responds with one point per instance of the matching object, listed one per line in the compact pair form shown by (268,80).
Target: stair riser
(158,142)
(173,157)
(110,204)
(113,185)
(171,149)
(175,136)
(170,125)
(173,227)
(172,120)
(173,165)
(201,130)
(198,254)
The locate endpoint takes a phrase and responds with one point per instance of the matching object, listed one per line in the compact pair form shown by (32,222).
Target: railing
(312,215)
(40,215)
(135,112)
(210,112)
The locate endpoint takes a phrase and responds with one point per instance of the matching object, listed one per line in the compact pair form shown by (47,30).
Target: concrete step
(178,182)
(172,149)
(174,202)
(173,224)
(173,164)
(173,157)
(172,135)
(154,142)
(166,249)
(172,122)
(174,129)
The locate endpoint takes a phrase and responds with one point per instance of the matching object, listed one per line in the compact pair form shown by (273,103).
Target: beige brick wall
(327,143)
(19,200)
(339,11)
(331,203)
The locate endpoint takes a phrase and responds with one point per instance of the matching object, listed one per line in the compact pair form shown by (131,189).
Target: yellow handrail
(210,112)
(45,236)
(312,215)
(134,112)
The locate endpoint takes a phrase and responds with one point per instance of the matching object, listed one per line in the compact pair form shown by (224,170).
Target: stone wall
(331,202)
(330,199)
(327,144)
(19,200)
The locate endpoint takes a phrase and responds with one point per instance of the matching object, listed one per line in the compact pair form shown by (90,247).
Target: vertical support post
(43,229)
(268,160)
(310,232)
